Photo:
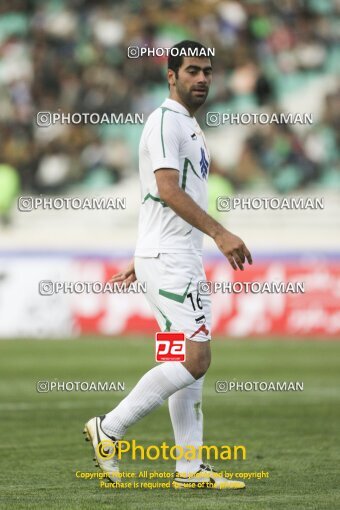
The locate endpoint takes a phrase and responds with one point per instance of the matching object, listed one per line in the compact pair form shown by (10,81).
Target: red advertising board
(316,311)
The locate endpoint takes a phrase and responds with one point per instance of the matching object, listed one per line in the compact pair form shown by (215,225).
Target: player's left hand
(125,277)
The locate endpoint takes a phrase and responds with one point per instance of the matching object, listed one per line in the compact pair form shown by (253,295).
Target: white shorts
(171,281)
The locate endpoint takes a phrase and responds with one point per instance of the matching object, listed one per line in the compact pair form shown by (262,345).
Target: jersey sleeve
(163,141)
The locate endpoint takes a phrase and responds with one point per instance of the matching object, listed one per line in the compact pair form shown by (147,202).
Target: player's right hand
(125,277)
(233,248)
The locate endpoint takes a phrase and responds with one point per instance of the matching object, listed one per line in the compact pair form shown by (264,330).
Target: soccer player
(174,167)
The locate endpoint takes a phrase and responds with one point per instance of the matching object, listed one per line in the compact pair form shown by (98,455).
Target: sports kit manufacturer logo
(170,346)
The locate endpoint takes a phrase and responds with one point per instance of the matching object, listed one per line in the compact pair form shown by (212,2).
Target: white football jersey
(171,138)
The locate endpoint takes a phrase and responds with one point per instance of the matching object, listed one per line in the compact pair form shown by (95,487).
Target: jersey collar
(175,106)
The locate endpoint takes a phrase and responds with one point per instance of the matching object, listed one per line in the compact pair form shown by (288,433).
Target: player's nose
(202,78)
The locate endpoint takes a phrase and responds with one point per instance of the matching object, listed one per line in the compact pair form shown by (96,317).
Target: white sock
(148,394)
(185,408)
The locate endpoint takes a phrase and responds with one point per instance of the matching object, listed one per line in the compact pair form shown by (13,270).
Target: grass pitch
(292,435)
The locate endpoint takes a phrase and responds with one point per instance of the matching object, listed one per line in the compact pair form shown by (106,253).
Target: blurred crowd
(71,56)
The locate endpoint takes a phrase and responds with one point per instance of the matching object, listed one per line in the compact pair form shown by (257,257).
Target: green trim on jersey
(156,199)
(165,109)
(187,162)
(179,298)
(168,322)
(162,139)
(174,111)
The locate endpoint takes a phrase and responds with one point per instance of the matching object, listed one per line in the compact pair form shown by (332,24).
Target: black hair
(175,61)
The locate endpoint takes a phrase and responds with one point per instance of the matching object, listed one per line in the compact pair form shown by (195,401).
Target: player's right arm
(182,204)
(127,276)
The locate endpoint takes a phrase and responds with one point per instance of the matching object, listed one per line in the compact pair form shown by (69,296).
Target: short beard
(189,99)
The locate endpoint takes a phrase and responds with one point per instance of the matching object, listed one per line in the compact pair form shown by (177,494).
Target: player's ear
(171,77)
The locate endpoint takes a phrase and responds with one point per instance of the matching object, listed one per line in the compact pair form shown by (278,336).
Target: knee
(199,367)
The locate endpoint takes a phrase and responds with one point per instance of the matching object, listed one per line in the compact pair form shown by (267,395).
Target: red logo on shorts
(202,328)
(170,346)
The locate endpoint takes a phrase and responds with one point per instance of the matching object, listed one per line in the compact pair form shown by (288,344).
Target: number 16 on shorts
(170,346)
